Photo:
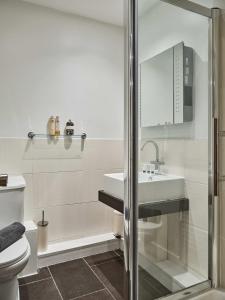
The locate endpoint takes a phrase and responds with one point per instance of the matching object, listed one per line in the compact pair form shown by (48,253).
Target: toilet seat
(14,253)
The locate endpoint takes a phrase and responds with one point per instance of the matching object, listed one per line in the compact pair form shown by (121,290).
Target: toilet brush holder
(42,234)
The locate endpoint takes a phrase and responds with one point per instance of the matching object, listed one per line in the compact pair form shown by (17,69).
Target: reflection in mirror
(166,87)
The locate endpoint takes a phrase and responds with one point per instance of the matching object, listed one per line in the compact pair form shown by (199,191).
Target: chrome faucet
(155,162)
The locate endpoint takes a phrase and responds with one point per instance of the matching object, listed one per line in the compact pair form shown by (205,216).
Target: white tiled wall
(64,182)
(187,235)
(54,63)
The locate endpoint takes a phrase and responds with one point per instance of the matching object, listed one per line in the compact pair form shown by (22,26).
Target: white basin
(151,187)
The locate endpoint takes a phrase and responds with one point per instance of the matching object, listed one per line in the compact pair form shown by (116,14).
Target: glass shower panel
(174,119)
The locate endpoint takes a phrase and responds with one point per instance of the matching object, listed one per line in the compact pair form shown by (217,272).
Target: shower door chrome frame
(132,142)
(131,146)
(214,217)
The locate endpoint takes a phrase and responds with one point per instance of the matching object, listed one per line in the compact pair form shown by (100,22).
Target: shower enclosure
(171,130)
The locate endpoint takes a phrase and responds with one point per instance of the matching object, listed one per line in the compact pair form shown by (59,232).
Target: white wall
(162,27)
(53,63)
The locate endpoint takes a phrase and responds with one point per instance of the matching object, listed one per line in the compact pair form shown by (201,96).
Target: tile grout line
(35,281)
(98,278)
(55,283)
(78,297)
(105,262)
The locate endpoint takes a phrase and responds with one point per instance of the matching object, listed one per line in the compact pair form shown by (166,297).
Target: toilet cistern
(157,163)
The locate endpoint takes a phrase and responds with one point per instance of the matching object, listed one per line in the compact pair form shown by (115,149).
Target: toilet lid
(14,252)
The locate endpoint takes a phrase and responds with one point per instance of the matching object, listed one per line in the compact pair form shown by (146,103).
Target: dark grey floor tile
(119,252)
(101,295)
(113,275)
(42,274)
(75,279)
(100,258)
(149,287)
(41,290)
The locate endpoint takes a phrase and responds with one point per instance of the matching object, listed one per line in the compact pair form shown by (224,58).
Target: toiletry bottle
(57,126)
(51,126)
(69,130)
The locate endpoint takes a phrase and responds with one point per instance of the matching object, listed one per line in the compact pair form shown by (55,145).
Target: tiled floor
(98,277)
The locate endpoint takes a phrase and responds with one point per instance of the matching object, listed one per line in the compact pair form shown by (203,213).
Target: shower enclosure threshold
(214,294)
(174,277)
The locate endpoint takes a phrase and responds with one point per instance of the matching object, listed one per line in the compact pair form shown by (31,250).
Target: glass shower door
(169,147)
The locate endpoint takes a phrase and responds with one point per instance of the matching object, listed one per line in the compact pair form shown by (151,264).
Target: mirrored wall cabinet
(167,78)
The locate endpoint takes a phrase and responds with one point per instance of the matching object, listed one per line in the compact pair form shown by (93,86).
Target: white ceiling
(109,11)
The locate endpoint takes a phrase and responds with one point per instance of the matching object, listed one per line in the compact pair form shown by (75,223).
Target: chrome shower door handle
(126,225)
(126,245)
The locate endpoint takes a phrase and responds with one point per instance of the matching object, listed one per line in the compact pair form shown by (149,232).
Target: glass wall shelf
(32,135)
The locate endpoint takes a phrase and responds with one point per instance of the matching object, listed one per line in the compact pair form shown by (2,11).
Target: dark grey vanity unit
(147,210)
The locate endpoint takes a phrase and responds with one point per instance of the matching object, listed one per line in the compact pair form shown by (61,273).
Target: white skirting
(73,249)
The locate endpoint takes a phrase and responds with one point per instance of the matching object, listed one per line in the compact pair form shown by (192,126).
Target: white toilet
(14,258)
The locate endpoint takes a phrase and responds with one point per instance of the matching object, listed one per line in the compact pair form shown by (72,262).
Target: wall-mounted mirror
(166,87)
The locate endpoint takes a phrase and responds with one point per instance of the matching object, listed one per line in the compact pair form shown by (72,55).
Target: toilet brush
(42,234)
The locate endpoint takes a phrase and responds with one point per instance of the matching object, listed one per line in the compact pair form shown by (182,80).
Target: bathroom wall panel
(15,156)
(177,240)
(59,64)
(196,161)
(66,188)
(173,155)
(190,250)
(104,154)
(94,154)
(63,188)
(194,234)
(77,220)
(28,197)
(198,195)
(187,234)
(59,188)
(98,219)
(58,165)
(53,148)
(197,250)
(95,183)
(54,63)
